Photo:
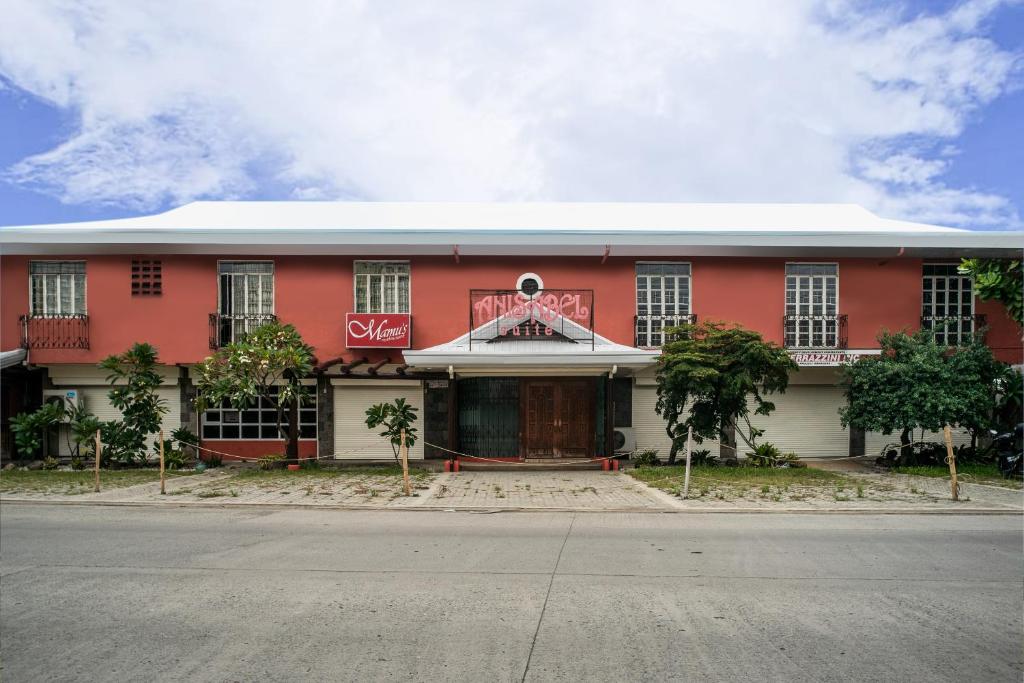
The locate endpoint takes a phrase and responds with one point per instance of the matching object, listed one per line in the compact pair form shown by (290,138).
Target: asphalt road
(120,594)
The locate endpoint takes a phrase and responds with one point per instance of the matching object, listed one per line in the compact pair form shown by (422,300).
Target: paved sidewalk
(582,491)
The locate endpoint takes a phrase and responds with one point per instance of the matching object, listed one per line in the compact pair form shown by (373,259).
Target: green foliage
(83,426)
(702,456)
(707,374)
(29,428)
(917,384)
(646,458)
(77,463)
(769,455)
(393,417)
(186,441)
(1000,280)
(134,377)
(270,462)
(244,371)
(175,458)
(50,463)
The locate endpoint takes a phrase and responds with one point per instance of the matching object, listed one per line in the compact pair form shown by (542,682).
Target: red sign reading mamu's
(378,330)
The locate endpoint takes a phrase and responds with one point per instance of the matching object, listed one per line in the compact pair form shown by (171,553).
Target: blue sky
(912,109)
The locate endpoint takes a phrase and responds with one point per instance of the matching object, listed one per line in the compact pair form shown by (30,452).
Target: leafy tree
(135,380)
(716,368)
(393,417)
(30,428)
(272,355)
(916,383)
(83,427)
(1001,280)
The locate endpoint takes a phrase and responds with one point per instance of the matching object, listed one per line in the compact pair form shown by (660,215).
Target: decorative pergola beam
(377,366)
(347,367)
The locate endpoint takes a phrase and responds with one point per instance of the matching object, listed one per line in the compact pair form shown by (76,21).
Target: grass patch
(733,483)
(980,473)
(74,483)
(704,477)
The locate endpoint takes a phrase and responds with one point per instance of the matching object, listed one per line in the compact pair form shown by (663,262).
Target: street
(118,594)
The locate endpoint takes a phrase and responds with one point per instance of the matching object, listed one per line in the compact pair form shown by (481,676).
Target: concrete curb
(479,509)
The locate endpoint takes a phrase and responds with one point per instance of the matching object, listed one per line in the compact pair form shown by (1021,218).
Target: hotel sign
(829,358)
(378,330)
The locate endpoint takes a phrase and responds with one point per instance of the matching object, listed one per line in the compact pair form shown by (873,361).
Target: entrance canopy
(517,343)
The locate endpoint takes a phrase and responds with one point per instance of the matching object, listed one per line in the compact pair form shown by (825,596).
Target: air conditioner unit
(70,399)
(624,440)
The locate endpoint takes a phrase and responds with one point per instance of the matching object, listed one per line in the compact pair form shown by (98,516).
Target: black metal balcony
(815,331)
(954,330)
(54,331)
(649,330)
(227,328)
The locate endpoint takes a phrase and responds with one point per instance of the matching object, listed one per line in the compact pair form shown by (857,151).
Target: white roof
(499,228)
(574,349)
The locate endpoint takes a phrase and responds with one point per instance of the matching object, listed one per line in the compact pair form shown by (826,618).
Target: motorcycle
(1010,452)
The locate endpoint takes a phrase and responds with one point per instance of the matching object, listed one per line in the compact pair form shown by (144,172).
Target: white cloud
(729,101)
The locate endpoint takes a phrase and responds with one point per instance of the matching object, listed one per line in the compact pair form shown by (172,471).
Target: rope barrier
(512,462)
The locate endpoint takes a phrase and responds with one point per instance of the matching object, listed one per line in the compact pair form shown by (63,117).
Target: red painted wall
(314,293)
(234,449)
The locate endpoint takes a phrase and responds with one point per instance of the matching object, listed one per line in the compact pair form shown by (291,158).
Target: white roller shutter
(97,403)
(649,426)
(805,421)
(352,439)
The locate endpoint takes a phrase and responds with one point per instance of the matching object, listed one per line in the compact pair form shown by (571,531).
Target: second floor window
(246,297)
(382,286)
(662,300)
(812,305)
(947,303)
(56,288)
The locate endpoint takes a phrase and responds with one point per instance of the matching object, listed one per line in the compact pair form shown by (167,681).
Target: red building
(519,330)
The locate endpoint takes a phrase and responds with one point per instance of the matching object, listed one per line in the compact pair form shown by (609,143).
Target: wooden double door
(557,418)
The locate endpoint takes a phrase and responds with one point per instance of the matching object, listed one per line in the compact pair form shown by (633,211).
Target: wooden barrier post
(404,450)
(99,446)
(686,480)
(163,489)
(951,459)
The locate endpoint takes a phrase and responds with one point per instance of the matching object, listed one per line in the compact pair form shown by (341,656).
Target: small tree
(1001,280)
(30,428)
(272,355)
(916,383)
(135,381)
(716,368)
(393,417)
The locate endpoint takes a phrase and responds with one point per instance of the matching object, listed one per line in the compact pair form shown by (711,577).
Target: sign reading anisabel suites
(378,330)
(830,358)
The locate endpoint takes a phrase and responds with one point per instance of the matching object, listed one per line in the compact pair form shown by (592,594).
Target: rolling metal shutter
(97,403)
(352,439)
(805,421)
(650,427)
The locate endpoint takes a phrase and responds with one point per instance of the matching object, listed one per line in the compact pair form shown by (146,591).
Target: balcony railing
(815,331)
(54,331)
(648,330)
(954,330)
(227,329)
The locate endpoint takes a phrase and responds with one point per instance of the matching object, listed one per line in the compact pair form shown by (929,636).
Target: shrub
(703,456)
(29,428)
(270,462)
(769,455)
(77,463)
(646,458)
(213,460)
(394,418)
(50,463)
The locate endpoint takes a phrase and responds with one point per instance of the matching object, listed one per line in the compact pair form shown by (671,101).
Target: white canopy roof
(571,348)
(623,229)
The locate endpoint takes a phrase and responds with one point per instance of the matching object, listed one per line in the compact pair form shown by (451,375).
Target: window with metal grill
(147,277)
(947,303)
(56,288)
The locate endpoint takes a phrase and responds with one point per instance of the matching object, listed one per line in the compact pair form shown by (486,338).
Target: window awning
(11,358)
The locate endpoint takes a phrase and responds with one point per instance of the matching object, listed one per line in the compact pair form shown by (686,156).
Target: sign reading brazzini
(378,330)
(830,358)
